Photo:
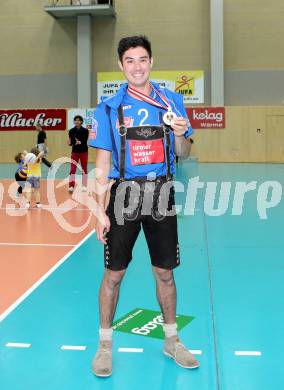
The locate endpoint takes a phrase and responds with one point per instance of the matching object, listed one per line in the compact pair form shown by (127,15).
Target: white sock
(105,334)
(170,329)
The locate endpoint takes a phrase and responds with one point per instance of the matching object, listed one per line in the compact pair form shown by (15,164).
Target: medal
(169,117)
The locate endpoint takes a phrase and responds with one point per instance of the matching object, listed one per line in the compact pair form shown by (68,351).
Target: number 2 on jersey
(146,114)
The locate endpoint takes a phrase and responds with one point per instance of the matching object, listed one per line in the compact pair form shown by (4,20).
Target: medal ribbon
(150,100)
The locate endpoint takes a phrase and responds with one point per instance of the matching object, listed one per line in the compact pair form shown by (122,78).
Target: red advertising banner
(146,152)
(26,119)
(206,117)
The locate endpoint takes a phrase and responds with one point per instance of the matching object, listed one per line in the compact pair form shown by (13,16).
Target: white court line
(43,278)
(31,244)
(196,351)
(73,347)
(131,350)
(248,353)
(18,345)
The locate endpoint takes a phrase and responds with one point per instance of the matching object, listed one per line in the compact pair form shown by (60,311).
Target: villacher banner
(26,119)
(206,117)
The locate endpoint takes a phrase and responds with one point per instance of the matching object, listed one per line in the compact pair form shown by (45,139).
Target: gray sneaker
(177,351)
(102,362)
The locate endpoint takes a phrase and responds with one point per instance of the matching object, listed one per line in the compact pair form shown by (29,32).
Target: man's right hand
(102,227)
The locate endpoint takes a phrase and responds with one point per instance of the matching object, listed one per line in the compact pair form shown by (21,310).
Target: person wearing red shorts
(78,139)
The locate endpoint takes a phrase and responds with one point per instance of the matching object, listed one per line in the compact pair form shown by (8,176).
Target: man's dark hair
(35,151)
(135,41)
(18,158)
(38,125)
(79,117)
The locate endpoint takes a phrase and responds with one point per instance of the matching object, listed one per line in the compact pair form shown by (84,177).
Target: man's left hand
(179,126)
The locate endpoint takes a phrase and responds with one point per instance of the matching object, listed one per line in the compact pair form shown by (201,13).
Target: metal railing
(64,3)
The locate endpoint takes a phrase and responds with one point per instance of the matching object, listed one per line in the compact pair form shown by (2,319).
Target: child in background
(21,173)
(33,178)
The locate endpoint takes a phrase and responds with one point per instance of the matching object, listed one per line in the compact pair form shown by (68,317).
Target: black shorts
(20,180)
(125,224)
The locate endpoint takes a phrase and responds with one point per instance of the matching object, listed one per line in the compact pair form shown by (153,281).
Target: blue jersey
(142,158)
(22,170)
(20,165)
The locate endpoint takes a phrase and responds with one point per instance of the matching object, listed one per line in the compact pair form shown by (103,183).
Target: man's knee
(113,278)
(164,276)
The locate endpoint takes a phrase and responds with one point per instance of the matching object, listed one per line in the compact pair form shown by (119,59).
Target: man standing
(42,144)
(78,139)
(141,129)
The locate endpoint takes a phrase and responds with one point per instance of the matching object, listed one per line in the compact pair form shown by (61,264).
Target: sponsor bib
(147,152)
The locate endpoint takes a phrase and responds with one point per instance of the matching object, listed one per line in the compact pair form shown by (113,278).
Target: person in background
(42,144)
(33,178)
(78,139)
(21,173)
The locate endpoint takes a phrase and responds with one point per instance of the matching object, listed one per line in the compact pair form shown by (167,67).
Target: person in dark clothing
(42,144)
(78,139)
(21,173)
